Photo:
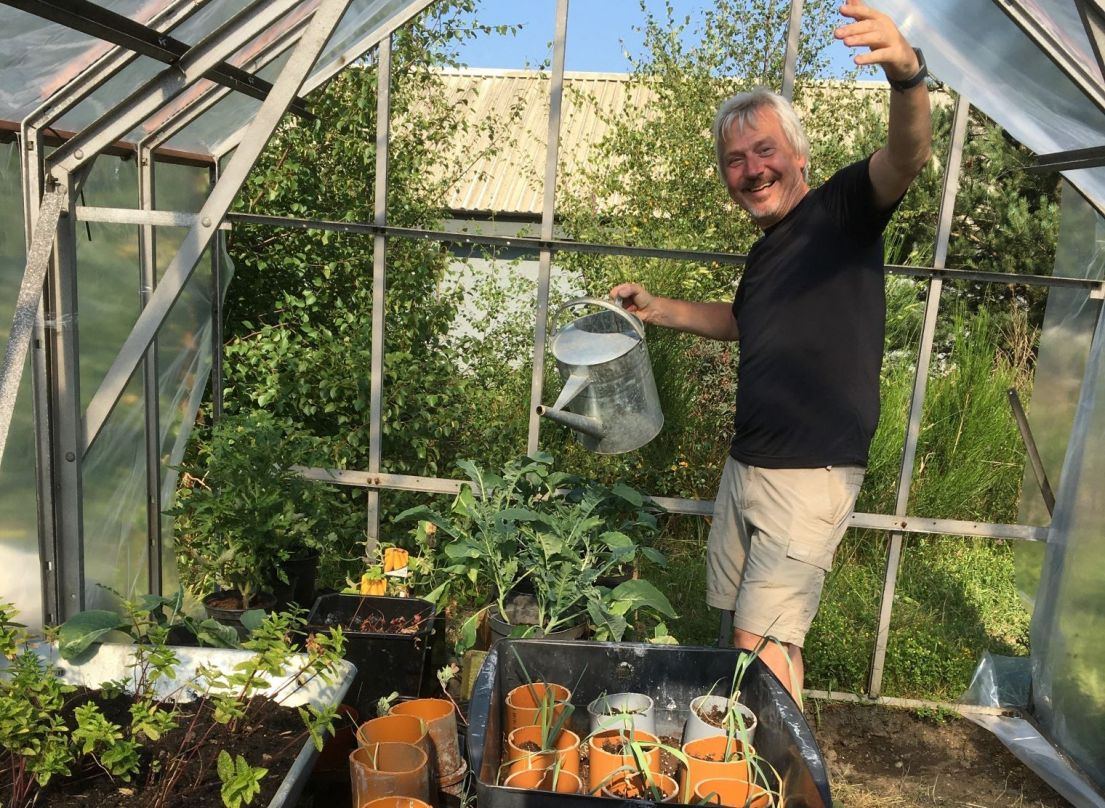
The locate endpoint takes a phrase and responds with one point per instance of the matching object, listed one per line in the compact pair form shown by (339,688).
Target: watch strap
(921,74)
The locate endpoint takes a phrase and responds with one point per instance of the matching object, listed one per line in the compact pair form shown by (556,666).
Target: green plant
(240,781)
(243,509)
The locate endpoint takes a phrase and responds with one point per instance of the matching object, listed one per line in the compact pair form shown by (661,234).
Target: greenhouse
(292,270)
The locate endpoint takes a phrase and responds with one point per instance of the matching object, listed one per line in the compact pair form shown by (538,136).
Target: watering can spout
(580,423)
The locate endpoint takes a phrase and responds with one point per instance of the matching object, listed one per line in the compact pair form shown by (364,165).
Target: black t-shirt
(811,312)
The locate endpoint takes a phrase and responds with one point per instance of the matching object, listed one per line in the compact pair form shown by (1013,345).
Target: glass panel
(1009,79)
(20,583)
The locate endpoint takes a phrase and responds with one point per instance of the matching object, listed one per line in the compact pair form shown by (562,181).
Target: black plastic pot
(233,617)
(386,662)
(302,575)
(672,675)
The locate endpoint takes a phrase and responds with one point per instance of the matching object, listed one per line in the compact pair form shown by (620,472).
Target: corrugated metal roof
(512,181)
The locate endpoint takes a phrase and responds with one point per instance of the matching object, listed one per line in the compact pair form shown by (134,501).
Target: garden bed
(881,756)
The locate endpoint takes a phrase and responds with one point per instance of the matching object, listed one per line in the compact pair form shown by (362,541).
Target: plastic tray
(672,675)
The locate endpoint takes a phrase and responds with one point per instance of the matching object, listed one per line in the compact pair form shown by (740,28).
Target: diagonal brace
(26,306)
(147,99)
(199,236)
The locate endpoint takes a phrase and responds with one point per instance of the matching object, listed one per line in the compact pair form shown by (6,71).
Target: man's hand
(636,300)
(874,30)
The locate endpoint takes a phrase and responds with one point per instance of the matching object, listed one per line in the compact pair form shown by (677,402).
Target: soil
(373,621)
(271,736)
(882,756)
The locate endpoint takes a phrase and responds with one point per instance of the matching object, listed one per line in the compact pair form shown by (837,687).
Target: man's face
(763,172)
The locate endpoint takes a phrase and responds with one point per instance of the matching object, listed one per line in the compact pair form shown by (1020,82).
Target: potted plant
(242,511)
(564,545)
(188,714)
(624,710)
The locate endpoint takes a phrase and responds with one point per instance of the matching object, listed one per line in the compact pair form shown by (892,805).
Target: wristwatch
(908,84)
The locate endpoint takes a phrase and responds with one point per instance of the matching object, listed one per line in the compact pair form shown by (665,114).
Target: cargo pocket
(819,516)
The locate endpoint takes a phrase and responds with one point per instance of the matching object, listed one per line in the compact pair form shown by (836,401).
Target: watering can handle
(605,303)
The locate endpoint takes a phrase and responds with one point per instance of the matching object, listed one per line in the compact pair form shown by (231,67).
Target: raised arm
(712,320)
(909,131)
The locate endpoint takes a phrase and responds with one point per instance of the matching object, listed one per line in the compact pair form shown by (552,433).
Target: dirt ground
(882,756)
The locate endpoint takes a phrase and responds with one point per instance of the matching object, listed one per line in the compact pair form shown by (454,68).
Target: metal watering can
(609,396)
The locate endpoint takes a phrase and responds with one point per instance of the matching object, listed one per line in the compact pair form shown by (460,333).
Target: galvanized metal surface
(1033,452)
(920,384)
(794,40)
(548,214)
(379,288)
(609,397)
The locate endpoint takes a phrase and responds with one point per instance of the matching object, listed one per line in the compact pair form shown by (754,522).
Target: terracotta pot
(524,705)
(334,756)
(713,757)
(696,727)
(394,802)
(603,764)
(565,750)
(622,711)
(634,787)
(440,718)
(396,729)
(389,769)
(734,793)
(561,782)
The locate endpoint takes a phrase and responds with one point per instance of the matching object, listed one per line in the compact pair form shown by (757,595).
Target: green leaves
(639,592)
(240,781)
(83,629)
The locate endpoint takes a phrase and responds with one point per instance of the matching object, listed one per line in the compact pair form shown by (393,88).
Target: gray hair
(744,107)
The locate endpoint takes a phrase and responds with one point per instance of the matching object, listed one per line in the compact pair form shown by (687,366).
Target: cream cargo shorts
(772,540)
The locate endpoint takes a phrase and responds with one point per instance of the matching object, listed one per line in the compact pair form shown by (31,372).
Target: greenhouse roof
(1031,65)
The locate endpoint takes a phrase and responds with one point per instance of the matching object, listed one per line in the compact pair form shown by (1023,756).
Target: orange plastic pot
(387,770)
(396,729)
(734,793)
(525,705)
(440,719)
(604,764)
(711,758)
(394,802)
(634,787)
(561,782)
(565,749)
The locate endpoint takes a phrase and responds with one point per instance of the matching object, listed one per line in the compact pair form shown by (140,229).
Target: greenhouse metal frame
(307,42)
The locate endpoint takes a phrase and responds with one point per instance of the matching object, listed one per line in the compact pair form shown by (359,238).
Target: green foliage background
(300,314)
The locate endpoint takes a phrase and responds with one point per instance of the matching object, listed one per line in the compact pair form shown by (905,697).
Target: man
(810,315)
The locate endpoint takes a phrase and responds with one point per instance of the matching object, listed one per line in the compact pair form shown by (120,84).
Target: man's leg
(796,518)
(783,659)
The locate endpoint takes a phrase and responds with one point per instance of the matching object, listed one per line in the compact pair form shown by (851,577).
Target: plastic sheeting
(1069,619)
(980,52)
(20,582)
(41,56)
(114,472)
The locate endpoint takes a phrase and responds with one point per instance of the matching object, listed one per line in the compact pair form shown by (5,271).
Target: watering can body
(609,396)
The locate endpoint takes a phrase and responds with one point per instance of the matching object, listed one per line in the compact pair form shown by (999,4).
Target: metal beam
(336,65)
(214,209)
(147,281)
(1033,452)
(918,525)
(379,289)
(1093,20)
(548,212)
(102,23)
(27,305)
(147,99)
(141,217)
(524,244)
(920,384)
(1069,64)
(794,40)
(1071,160)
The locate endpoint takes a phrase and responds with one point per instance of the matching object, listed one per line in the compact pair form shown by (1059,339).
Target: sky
(599,33)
